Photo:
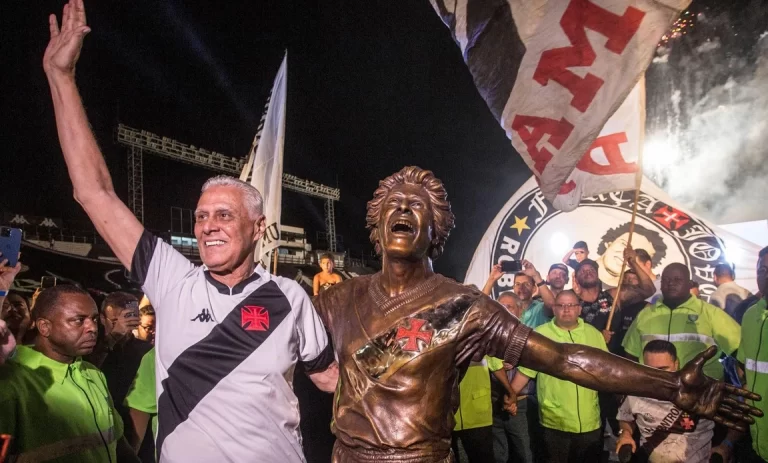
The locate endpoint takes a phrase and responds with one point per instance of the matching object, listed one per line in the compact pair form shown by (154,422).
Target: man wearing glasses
(146,329)
(569,414)
(534,312)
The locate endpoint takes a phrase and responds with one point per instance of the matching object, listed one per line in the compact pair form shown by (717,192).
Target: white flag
(265,163)
(610,164)
(553,72)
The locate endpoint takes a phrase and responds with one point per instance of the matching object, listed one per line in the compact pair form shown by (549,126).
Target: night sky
(372,86)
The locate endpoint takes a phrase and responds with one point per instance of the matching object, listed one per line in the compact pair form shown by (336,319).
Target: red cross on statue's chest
(414,331)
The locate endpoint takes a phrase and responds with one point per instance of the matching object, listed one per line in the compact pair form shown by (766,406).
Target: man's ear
(43,327)
(259,228)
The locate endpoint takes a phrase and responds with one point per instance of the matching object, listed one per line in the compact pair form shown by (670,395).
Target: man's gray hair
(253,200)
(514,296)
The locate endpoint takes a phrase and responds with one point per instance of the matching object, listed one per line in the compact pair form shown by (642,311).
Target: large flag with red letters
(554,71)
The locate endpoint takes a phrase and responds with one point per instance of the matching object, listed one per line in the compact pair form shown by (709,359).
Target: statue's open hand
(716,400)
(63,49)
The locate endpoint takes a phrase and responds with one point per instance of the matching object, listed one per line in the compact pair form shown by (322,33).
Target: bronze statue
(405,335)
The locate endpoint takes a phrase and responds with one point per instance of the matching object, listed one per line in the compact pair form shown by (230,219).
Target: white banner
(265,164)
(529,227)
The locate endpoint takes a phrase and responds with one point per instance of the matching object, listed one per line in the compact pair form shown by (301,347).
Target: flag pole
(638,182)
(274,260)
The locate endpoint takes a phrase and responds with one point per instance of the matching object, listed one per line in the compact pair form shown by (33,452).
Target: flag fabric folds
(265,164)
(553,72)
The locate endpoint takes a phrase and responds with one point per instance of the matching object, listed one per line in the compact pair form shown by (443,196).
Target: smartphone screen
(511,266)
(47,282)
(10,244)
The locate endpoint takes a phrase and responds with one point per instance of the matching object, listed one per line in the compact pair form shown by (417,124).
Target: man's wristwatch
(541,283)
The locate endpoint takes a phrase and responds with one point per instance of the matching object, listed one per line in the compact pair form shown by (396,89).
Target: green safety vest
(692,327)
(753,353)
(141,396)
(56,411)
(563,405)
(475,395)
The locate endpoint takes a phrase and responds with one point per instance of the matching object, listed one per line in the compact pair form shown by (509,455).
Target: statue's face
(405,224)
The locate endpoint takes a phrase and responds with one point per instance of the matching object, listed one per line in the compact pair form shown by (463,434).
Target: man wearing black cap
(557,278)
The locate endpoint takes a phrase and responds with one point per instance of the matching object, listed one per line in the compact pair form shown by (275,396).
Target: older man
(569,414)
(229,333)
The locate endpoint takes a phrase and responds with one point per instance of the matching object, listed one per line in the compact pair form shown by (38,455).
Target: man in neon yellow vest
(55,405)
(753,356)
(570,414)
(689,323)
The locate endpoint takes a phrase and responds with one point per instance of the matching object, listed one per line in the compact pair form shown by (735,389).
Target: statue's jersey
(401,359)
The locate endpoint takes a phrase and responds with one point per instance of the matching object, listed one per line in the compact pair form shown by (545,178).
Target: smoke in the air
(707,130)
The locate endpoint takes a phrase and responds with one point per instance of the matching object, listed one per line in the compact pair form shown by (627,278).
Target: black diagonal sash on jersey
(204,364)
(669,425)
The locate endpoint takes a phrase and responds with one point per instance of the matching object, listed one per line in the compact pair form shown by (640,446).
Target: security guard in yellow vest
(55,406)
(475,416)
(689,323)
(753,356)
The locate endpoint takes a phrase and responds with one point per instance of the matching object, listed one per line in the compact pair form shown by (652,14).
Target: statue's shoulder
(452,289)
(460,288)
(350,286)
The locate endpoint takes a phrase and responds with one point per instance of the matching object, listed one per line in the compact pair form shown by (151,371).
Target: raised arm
(90,178)
(494,276)
(7,275)
(689,388)
(644,289)
(546,294)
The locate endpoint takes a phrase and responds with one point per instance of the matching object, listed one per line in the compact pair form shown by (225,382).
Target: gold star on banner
(520,225)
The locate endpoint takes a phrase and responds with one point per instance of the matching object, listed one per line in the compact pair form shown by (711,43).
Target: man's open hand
(702,395)
(66,42)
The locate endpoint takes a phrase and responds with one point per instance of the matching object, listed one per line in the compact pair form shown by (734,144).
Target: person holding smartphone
(7,339)
(525,282)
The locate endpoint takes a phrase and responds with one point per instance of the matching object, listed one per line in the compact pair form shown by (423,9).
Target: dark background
(372,86)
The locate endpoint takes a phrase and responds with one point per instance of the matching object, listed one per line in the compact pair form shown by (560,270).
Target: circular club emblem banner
(530,228)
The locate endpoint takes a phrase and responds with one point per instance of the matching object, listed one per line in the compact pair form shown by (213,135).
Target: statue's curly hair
(442,217)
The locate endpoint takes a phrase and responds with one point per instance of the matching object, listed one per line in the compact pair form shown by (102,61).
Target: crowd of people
(95,365)
(661,322)
(202,366)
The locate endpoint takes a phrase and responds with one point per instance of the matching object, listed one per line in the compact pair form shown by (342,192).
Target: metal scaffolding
(330,224)
(136,182)
(141,140)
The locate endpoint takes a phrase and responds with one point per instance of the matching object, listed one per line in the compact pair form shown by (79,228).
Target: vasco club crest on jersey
(254,318)
(533,229)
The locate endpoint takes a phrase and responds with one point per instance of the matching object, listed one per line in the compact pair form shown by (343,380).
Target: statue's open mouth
(402,226)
